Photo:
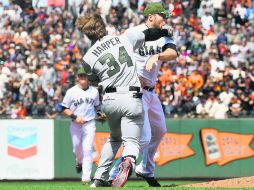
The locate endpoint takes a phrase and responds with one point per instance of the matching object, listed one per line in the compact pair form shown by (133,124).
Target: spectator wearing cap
(48,74)
(51,109)
(49,91)
(235,107)
(226,95)
(201,110)
(39,108)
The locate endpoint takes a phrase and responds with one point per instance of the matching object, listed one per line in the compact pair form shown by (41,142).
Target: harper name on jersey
(105,45)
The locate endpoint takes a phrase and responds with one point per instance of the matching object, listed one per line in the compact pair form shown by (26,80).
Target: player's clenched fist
(152,61)
(79,120)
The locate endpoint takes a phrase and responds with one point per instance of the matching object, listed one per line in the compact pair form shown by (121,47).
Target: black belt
(148,88)
(113,89)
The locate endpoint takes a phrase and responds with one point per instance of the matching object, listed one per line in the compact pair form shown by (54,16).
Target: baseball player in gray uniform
(80,104)
(111,61)
(163,49)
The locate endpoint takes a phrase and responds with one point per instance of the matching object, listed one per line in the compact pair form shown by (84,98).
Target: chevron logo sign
(22,142)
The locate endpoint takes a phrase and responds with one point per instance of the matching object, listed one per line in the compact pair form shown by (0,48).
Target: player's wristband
(73,117)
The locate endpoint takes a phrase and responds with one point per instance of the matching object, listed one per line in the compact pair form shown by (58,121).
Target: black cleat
(99,183)
(150,180)
(78,168)
(109,183)
(125,169)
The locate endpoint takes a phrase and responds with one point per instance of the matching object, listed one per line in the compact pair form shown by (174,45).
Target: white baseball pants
(82,141)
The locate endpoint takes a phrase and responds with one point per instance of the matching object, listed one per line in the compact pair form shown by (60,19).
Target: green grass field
(76,185)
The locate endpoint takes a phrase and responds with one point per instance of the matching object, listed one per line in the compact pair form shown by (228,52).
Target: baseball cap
(81,71)
(156,8)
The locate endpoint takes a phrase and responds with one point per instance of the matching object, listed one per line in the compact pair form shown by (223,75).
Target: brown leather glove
(100,116)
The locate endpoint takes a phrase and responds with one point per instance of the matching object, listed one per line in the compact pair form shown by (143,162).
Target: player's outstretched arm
(152,34)
(169,53)
(137,38)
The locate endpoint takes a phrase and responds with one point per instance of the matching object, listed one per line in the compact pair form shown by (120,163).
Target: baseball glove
(100,116)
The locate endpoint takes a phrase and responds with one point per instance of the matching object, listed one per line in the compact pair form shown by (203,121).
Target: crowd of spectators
(213,76)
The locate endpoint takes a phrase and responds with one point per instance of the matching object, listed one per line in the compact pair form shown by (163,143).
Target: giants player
(163,49)
(80,104)
(111,61)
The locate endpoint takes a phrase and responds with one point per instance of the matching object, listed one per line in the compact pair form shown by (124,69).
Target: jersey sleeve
(135,37)
(97,99)
(168,42)
(91,76)
(66,100)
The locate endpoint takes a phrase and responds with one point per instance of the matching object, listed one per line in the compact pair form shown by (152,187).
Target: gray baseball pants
(125,119)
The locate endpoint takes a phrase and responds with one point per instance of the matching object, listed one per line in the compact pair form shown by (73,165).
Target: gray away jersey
(143,53)
(112,60)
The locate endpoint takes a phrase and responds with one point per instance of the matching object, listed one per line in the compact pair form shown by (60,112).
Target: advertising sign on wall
(225,147)
(26,149)
(172,147)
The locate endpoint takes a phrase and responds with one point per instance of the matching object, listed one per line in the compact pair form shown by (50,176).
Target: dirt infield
(227,183)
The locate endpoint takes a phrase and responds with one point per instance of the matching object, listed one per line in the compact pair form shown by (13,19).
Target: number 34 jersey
(112,60)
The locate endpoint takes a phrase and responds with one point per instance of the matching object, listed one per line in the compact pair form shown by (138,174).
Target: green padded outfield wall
(193,166)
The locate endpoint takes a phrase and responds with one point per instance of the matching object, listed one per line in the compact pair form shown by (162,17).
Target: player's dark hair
(92,25)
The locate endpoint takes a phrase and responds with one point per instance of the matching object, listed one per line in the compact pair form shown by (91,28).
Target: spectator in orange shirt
(182,87)
(192,21)
(166,75)
(195,80)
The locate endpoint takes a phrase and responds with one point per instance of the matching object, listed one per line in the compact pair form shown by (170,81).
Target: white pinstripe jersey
(143,53)
(82,102)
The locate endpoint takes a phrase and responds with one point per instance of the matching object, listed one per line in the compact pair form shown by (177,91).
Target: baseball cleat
(123,174)
(98,183)
(150,180)
(78,168)
(85,182)
(109,183)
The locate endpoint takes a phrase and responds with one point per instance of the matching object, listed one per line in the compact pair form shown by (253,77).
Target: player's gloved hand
(101,116)
(79,120)
(152,61)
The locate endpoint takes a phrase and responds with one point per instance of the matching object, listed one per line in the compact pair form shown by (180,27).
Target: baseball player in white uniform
(80,104)
(111,61)
(163,49)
